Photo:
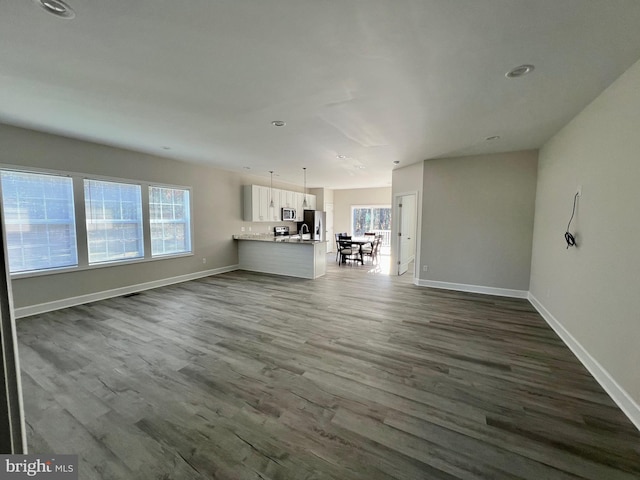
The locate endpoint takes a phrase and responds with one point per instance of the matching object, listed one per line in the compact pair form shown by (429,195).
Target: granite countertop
(270,238)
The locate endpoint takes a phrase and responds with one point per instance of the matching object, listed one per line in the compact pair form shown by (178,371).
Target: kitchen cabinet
(256,203)
(311,200)
(257,199)
(311,204)
(303,259)
(299,210)
(287,199)
(273,213)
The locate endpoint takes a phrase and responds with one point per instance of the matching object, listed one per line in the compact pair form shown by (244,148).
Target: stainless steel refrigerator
(317,224)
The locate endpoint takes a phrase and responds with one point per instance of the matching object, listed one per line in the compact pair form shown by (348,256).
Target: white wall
(477,221)
(593,291)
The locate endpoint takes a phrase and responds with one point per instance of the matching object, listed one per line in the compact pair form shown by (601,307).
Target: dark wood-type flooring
(352,376)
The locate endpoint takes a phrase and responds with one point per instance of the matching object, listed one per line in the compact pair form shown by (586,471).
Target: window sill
(82,268)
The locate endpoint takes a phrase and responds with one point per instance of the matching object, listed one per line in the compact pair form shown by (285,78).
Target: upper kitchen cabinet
(287,199)
(257,199)
(274,212)
(311,201)
(311,204)
(299,197)
(256,203)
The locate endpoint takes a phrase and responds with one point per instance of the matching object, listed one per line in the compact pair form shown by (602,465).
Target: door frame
(13,439)
(331,240)
(395,229)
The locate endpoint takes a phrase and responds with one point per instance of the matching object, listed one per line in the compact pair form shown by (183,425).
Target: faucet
(301,232)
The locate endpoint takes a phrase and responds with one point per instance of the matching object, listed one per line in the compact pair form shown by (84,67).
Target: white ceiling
(375,80)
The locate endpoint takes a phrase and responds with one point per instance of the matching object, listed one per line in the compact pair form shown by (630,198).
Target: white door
(407,233)
(330,230)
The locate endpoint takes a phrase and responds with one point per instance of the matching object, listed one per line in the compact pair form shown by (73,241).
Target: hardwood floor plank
(431,455)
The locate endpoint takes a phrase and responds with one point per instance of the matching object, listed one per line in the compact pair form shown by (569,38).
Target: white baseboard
(618,394)
(116,292)
(462,287)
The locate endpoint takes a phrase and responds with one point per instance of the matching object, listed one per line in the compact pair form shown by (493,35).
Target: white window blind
(170,219)
(39,221)
(114,221)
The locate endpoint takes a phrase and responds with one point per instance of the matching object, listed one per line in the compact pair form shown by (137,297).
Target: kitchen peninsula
(289,256)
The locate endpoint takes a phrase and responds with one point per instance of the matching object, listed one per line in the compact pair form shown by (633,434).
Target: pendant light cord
(271,191)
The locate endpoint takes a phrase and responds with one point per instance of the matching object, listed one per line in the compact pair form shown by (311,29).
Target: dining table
(361,242)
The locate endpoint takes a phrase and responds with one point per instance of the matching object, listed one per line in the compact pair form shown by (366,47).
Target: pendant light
(271,190)
(305,205)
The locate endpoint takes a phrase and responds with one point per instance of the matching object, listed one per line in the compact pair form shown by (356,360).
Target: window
(170,219)
(114,221)
(39,221)
(370,219)
(122,221)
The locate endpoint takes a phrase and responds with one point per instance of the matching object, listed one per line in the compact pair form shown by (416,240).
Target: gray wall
(477,220)
(593,290)
(217,215)
(408,179)
(344,199)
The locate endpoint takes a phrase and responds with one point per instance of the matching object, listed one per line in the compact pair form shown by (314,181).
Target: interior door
(407,234)
(330,230)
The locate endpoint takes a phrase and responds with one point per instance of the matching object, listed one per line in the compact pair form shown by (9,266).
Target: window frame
(73,223)
(81,221)
(138,221)
(368,206)
(191,231)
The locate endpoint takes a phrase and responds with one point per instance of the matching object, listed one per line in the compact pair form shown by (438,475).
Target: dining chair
(346,251)
(338,237)
(372,251)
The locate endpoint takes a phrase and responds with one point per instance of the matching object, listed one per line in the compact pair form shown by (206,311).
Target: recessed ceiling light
(341,157)
(494,137)
(396,162)
(520,71)
(57,8)
(278,123)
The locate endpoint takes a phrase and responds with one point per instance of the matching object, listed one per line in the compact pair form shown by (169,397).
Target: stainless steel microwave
(288,214)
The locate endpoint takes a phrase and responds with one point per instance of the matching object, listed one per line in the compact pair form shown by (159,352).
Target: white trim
(395,228)
(116,292)
(502,292)
(618,394)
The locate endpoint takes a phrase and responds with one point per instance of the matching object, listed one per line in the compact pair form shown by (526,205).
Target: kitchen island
(282,255)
